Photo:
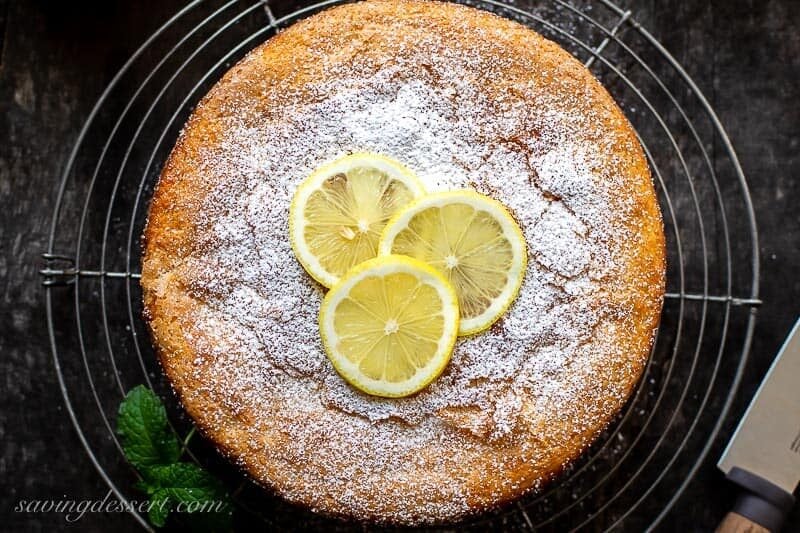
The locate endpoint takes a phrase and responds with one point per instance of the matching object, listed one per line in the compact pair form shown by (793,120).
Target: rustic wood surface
(56,58)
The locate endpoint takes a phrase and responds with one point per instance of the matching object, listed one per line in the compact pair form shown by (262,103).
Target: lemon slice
(338,212)
(473,241)
(389,325)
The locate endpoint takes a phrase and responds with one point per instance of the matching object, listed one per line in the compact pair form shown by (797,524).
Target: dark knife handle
(760,507)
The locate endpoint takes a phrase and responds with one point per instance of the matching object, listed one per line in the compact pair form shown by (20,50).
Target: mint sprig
(153,449)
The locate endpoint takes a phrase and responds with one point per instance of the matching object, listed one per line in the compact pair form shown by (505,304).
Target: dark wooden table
(56,58)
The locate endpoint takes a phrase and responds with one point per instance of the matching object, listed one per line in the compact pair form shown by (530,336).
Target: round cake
(467,100)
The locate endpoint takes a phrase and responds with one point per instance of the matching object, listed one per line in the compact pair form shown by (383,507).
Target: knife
(763,456)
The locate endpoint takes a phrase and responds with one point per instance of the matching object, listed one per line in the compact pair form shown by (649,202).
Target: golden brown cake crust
(466,99)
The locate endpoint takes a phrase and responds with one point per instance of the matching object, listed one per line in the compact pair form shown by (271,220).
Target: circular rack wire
(644,460)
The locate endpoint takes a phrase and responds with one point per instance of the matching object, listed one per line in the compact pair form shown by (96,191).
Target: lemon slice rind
(384,266)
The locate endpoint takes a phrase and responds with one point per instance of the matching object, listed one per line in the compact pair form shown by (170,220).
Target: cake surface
(466,99)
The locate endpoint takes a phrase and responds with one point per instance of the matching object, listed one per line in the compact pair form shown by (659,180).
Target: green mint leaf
(186,482)
(160,506)
(144,431)
(200,496)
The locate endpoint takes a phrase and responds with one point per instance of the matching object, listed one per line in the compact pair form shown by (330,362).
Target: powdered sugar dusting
(530,149)
(415,124)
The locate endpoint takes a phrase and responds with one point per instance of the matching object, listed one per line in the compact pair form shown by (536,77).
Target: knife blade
(763,456)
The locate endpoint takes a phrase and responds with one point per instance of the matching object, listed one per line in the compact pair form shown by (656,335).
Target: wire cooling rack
(633,474)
